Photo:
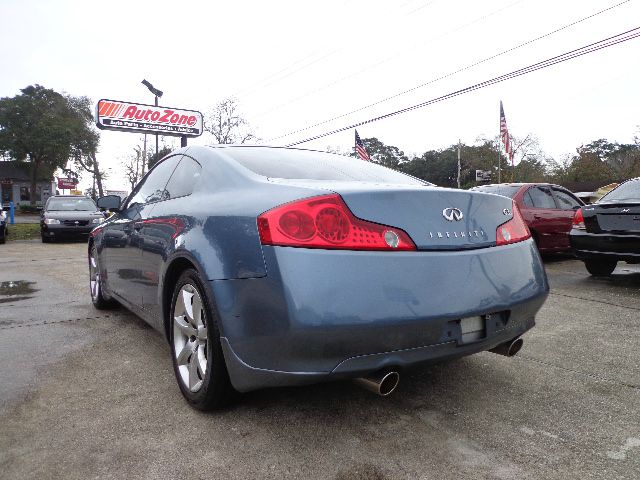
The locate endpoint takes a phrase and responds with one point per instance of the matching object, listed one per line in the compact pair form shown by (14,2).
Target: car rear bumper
(322,314)
(605,245)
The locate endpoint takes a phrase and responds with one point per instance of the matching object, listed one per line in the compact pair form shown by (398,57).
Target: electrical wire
(578,52)
(302,64)
(450,74)
(383,61)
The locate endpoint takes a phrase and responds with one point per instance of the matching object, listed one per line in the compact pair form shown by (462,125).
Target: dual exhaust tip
(384,382)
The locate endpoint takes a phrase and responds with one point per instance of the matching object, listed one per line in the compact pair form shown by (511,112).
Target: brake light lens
(326,222)
(578,220)
(515,230)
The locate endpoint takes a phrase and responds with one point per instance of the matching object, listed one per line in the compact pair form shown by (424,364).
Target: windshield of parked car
(310,165)
(504,190)
(67,204)
(626,192)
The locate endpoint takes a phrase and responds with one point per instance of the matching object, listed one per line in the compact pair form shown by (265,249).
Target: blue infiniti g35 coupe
(269,266)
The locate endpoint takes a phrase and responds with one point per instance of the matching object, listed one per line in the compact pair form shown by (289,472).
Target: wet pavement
(89,394)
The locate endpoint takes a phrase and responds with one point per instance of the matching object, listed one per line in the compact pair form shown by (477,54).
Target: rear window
(504,190)
(310,165)
(627,192)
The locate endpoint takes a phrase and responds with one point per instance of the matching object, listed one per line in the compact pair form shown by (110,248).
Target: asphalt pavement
(88,394)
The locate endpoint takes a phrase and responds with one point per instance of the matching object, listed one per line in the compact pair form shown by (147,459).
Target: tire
(600,268)
(198,362)
(99,300)
(3,238)
(46,239)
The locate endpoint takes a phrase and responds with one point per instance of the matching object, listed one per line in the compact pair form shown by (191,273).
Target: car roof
(70,196)
(523,184)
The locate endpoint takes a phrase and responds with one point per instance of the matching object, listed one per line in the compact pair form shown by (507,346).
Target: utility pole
(144,154)
(458,163)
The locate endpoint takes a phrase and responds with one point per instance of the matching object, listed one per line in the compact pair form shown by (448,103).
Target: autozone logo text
(116,115)
(132,112)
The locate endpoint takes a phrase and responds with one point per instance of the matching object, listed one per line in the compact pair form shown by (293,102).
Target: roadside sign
(483,175)
(138,117)
(67,183)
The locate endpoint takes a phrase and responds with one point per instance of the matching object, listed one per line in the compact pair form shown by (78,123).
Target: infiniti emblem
(452,214)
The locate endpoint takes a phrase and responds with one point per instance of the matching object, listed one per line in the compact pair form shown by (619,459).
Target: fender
(169,275)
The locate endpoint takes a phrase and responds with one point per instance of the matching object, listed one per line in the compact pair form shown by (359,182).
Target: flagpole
(498,150)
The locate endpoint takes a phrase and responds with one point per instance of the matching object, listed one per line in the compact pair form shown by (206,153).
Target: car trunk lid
(435,218)
(618,218)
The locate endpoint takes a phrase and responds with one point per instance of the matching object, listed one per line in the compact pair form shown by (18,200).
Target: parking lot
(89,394)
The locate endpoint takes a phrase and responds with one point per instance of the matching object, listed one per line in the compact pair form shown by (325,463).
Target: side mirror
(110,202)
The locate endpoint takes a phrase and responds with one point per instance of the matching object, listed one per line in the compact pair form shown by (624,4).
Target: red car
(547,209)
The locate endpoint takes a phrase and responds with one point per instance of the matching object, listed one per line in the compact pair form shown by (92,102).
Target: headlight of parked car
(51,221)
(97,220)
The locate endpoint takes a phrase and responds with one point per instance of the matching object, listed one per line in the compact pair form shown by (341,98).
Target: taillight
(515,230)
(327,222)
(578,220)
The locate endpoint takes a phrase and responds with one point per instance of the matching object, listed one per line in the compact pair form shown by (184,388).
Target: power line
(381,62)
(442,77)
(300,64)
(578,52)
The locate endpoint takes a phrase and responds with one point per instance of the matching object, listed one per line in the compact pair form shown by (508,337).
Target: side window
(152,187)
(565,201)
(184,178)
(542,197)
(526,199)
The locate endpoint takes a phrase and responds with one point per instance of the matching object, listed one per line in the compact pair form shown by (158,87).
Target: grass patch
(24,231)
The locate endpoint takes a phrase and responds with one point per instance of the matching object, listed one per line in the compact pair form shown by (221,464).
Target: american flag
(504,134)
(360,150)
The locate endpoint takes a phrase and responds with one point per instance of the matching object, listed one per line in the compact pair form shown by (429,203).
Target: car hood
(72,215)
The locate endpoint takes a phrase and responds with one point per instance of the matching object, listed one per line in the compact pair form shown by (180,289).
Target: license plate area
(472,329)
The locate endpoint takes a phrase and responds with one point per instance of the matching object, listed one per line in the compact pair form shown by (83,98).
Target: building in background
(15,185)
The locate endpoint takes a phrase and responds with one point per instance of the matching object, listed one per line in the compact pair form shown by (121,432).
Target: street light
(157,93)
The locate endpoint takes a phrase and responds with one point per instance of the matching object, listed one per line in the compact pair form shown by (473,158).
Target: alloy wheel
(190,337)
(94,276)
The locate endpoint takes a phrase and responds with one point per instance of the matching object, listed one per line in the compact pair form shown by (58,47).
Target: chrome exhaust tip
(510,348)
(381,383)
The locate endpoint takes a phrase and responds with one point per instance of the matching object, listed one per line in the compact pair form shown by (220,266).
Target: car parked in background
(608,231)
(547,209)
(69,216)
(268,267)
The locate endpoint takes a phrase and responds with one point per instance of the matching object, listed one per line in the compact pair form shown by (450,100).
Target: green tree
(46,129)
(153,158)
(385,155)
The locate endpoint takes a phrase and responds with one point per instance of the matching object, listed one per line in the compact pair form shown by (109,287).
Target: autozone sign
(136,117)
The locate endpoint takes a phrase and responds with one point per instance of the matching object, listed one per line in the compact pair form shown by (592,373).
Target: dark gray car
(272,266)
(69,216)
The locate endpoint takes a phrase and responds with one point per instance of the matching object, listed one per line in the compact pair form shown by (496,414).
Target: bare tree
(227,125)
(134,166)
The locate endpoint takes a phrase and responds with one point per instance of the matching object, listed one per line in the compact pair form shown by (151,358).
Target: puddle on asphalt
(16,290)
